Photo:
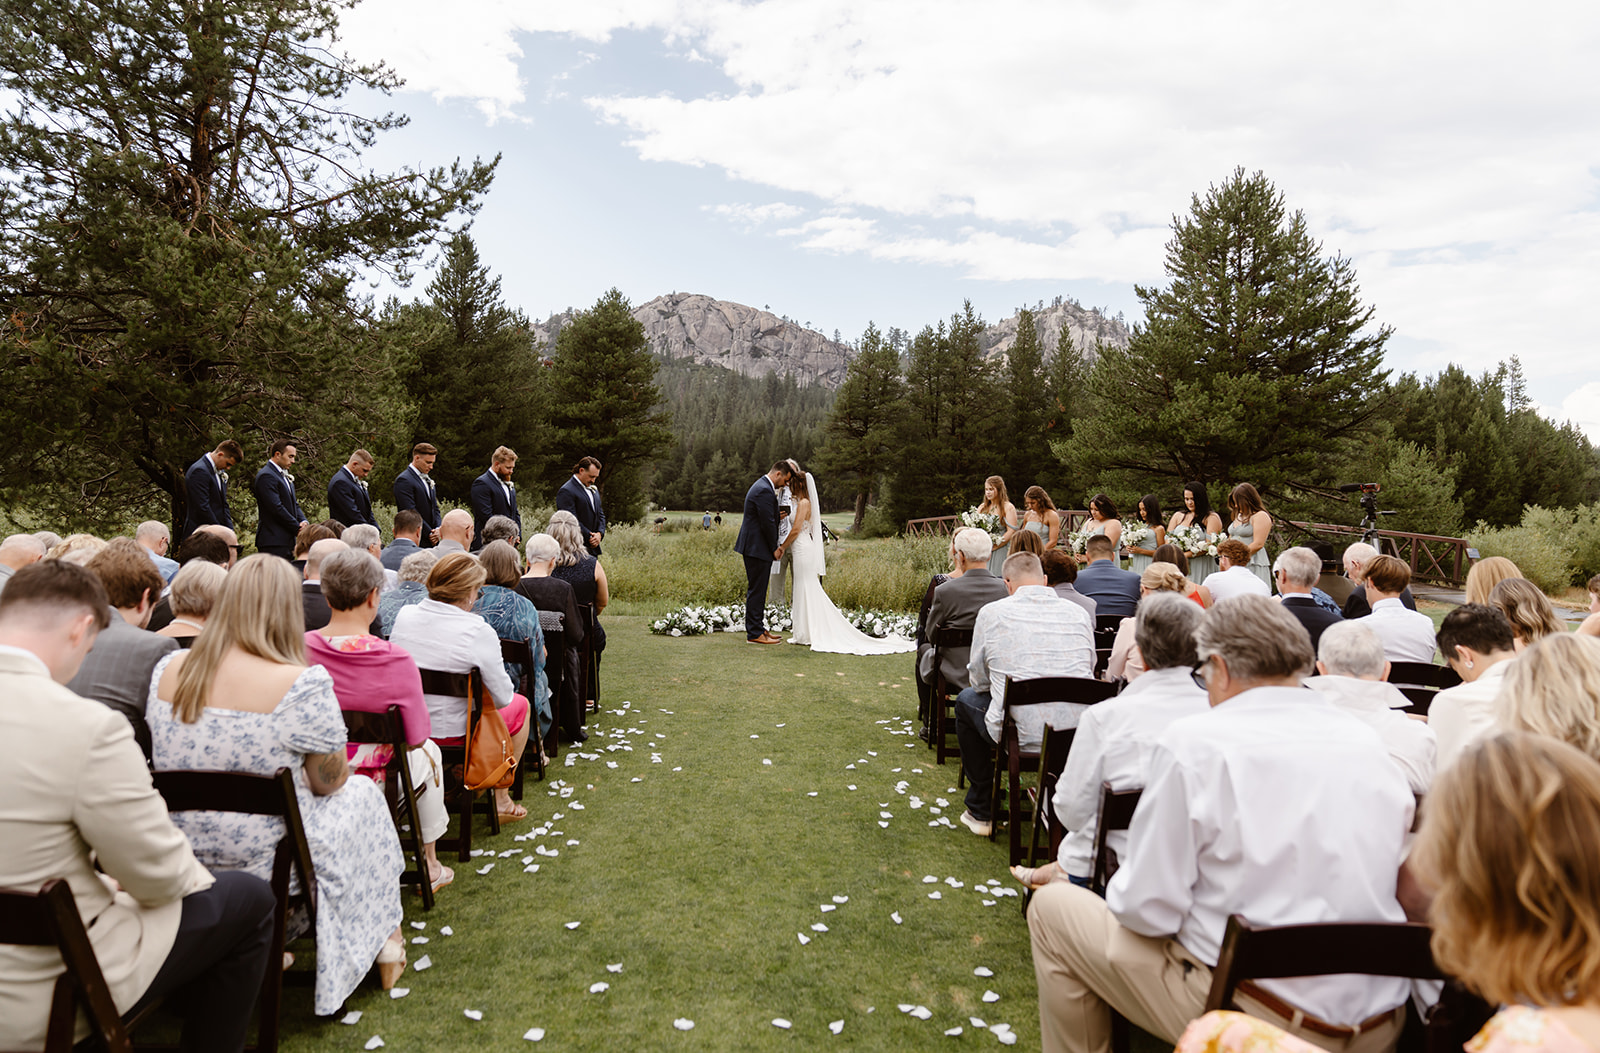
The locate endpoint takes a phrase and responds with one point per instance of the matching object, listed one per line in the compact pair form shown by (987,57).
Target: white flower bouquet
(1212,541)
(988,522)
(1191,539)
(1077,542)
(1135,533)
(729,618)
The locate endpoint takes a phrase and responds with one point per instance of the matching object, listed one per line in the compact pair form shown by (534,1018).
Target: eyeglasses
(1199,673)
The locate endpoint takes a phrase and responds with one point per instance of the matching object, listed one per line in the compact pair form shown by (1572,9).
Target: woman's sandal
(446,875)
(516,815)
(391,961)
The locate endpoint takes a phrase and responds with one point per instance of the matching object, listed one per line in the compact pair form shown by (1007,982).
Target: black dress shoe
(578,736)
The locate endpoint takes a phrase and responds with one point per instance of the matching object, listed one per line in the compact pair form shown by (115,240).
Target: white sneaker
(981,827)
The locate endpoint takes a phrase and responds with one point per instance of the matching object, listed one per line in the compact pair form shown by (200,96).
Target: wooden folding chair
(1105,637)
(388,729)
(555,676)
(1116,813)
(521,652)
(1010,760)
(1422,674)
(469,688)
(944,693)
(227,791)
(1052,761)
(589,666)
(49,918)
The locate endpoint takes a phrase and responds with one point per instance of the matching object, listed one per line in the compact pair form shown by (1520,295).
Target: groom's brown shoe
(766,638)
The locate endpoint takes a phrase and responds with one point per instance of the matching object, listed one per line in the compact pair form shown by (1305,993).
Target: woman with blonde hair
(1041,517)
(244,699)
(1251,524)
(996,502)
(1126,662)
(1554,690)
(76,548)
(1528,609)
(1486,574)
(1170,553)
(195,590)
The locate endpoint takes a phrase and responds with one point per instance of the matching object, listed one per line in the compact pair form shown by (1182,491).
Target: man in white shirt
(1235,578)
(1478,643)
(1350,659)
(1031,633)
(1407,635)
(1116,738)
(1273,804)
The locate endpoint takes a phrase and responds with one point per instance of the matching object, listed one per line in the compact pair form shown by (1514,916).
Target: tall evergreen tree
(1028,459)
(866,417)
(1064,397)
(604,402)
(1255,363)
(184,216)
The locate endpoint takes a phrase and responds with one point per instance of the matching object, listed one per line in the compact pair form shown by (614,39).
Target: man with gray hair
(1116,738)
(1272,804)
(1030,633)
(1353,667)
(502,528)
(955,605)
(412,587)
(155,537)
(1297,571)
(16,552)
(1356,558)
(365,538)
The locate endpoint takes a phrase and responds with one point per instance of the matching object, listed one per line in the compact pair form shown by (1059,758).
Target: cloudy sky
(848,161)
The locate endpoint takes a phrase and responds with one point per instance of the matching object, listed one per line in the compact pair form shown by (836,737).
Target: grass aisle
(699,877)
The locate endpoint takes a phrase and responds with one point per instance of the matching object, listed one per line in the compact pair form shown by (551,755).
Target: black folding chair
(521,652)
(1116,813)
(388,729)
(468,687)
(589,663)
(49,918)
(1052,762)
(1105,637)
(943,697)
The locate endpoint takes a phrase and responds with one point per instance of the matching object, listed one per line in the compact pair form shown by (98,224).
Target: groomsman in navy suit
(494,494)
(415,491)
(280,515)
(348,500)
(579,496)
(207,486)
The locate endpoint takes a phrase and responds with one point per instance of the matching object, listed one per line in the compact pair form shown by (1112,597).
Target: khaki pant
(1087,963)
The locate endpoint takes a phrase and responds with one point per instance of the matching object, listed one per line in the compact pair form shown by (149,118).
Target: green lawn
(698,877)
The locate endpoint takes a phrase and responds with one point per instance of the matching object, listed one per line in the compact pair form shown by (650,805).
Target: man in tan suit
(74,785)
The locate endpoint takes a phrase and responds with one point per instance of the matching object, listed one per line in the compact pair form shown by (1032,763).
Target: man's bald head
(456,526)
(19,550)
(228,536)
(320,551)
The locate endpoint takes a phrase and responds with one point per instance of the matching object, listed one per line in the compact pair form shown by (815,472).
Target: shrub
(876,523)
(1540,546)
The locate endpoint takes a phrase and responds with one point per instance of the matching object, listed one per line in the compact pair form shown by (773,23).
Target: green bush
(876,523)
(1540,546)
(1586,542)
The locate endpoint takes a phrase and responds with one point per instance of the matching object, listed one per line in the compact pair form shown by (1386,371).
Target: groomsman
(579,496)
(348,500)
(414,491)
(494,494)
(207,484)
(280,515)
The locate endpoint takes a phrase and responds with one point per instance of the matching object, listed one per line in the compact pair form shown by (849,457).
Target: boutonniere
(289,477)
(363,483)
(224,477)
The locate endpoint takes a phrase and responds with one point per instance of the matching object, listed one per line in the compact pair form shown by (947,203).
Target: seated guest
(1115,591)
(1025,541)
(48,538)
(205,545)
(1126,663)
(1355,559)
(1235,578)
(455,531)
(370,675)
(407,534)
(79,806)
(309,535)
(117,671)
(315,608)
(501,528)
(956,603)
(154,538)
(1352,667)
(1486,574)
(1554,689)
(514,617)
(228,537)
(1297,571)
(334,527)
(411,587)
(556,596)
(244,700)
(16,552)
(1061,574)
(1115,739)
(583,572)
(924,687)
(77,548)
(1591,624)
(1516,896)
(1528,609)
(1030,633)
(1477,642)
(364,537)
(195,591)
(1170,553)
(443,634)
(1407,635)
(1267,805)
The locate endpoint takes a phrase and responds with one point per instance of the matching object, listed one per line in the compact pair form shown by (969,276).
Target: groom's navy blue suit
(758,540)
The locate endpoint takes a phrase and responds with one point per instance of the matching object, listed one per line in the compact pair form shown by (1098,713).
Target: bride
(817,621)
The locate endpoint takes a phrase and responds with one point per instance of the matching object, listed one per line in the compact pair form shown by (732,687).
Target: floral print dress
(354,848)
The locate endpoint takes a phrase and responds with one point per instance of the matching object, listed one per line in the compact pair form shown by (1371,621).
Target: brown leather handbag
(490,761)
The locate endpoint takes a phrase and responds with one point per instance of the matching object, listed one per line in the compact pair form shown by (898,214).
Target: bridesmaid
(1196,511)
(1103,520)
(997,503)
(1150,516)
(1041,516)
(1251,524)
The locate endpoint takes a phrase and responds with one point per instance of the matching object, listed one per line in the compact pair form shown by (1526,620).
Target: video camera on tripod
(1369,505)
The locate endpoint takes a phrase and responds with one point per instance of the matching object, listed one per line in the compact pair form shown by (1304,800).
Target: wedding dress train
(817,622)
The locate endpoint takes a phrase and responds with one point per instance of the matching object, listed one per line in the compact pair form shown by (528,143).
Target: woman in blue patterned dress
(244,700)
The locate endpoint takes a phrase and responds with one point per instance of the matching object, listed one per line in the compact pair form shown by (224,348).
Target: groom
(758,543)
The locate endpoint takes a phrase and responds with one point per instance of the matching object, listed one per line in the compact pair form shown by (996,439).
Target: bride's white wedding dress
(817,622)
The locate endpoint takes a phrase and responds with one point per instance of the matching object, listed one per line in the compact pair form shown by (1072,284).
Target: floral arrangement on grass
(1135,532)
(988,522)
(729,618)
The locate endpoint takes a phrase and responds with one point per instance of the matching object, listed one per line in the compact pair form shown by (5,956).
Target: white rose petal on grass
(841,899)
(885,815)
(419,939)
(352,1017)
(597,988)
(447,931)
(836,1027)
(929,879)
(851,786)
(953,1032)
(884,823)
(988,903)
(827,907)
(422,963)
(472,1014)
(983,970)
(611,764)
(398,992)
(614,968)
(975,1022)
(1007,1038)
(767,761)
(420,925)
(373,1043)
(683,1023)
(906,1007)
(486,868)
(691,1023)
(849,767)
(573,924)
(922,1012)
(935,895)
(812,793)
(534,1034)
(804,939)
(990,996)
(819,927)
(636,779)
(531,868)
(778,725)
(895,917)
(779,1021)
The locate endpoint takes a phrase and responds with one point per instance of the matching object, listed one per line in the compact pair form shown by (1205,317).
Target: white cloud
(750,217)
(1449,151)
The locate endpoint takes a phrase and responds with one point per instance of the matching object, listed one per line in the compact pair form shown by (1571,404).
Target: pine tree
(1028,458)
(185,213)
(1255,363)
(861,431)
(604,402)
(1063,397)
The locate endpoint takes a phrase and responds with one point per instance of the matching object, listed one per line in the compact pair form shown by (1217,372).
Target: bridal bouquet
(1212,541)
(988,522)
(1192,539)
(1135,533)
(1077,542)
